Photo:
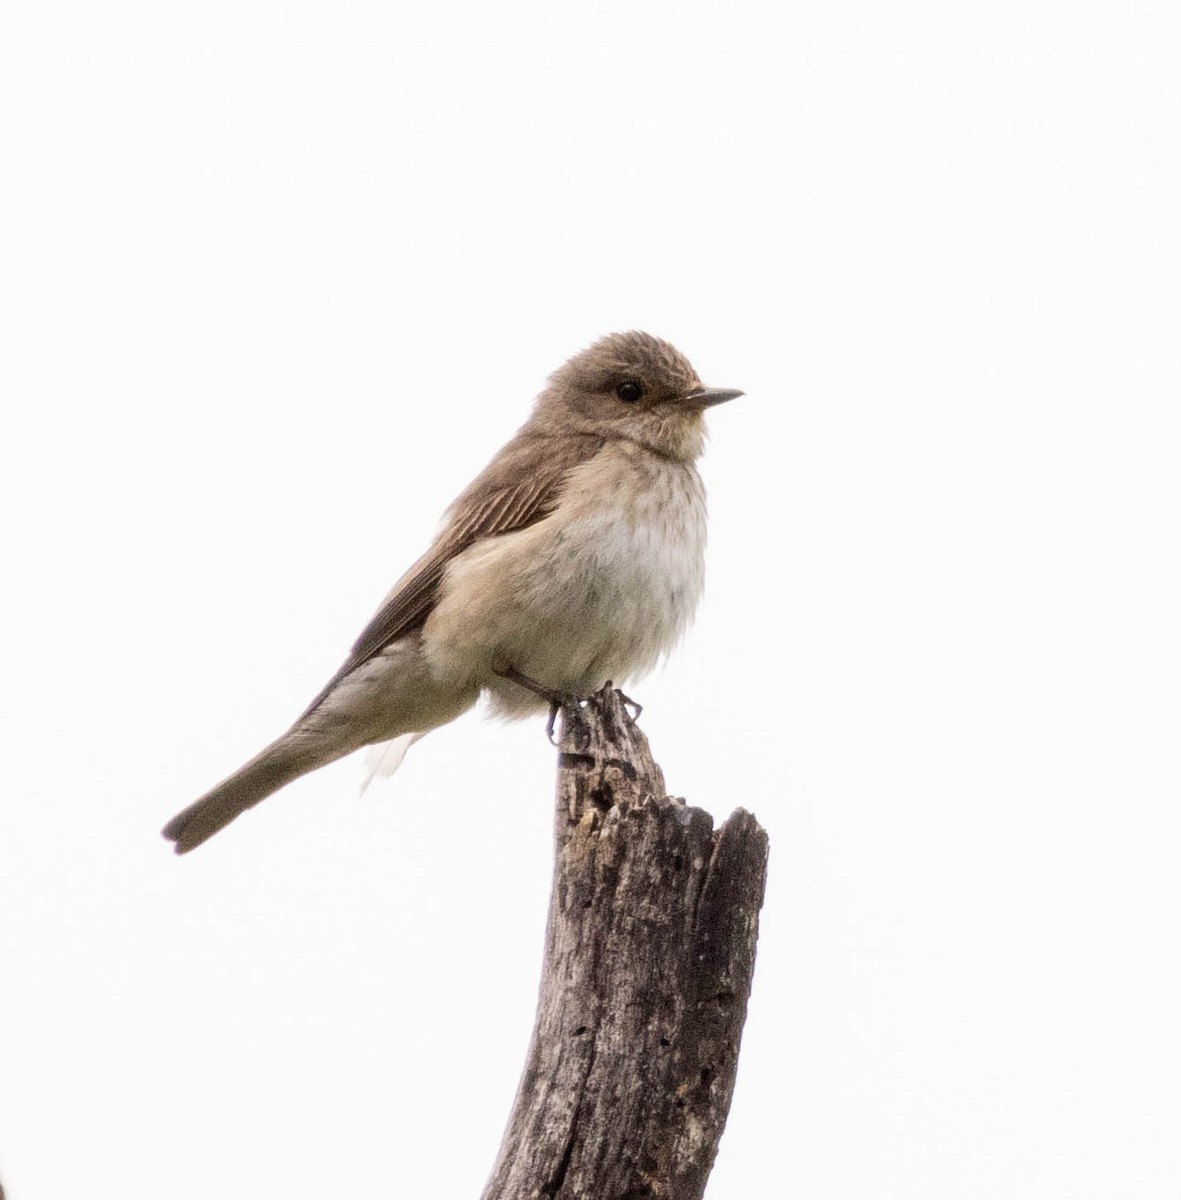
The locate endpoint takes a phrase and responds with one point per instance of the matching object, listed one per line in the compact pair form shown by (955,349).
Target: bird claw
(629,703)
(561,700)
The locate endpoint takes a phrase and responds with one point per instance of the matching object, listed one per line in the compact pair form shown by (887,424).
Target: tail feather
(277,765)
(385,758)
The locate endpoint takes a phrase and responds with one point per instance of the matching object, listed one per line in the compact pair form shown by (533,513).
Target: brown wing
(517,489)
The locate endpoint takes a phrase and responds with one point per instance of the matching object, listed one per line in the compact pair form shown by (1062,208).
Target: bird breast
(599,590)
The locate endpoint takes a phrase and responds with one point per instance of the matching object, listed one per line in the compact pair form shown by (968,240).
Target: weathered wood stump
(649,954)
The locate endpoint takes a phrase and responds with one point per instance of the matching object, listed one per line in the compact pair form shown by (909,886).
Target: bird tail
(282,761)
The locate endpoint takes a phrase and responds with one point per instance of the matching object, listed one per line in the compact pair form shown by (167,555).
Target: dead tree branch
(649,955)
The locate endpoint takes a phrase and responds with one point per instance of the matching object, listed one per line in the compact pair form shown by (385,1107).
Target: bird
(574,558)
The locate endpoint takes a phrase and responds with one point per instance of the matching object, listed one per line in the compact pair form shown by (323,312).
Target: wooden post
(649,955)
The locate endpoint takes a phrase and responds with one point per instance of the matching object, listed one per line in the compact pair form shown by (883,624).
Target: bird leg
(557,700)
(560,700)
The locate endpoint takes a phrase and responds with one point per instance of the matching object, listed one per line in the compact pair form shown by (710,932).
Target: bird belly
(600,590)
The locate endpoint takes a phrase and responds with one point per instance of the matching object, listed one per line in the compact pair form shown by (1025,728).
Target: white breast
(600,590)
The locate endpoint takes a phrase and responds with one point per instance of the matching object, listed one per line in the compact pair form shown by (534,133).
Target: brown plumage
(573,558)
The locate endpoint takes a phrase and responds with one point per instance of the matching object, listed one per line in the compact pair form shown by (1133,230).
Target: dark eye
(629,391)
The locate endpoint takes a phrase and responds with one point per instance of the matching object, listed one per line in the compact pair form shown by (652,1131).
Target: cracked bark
(649,955)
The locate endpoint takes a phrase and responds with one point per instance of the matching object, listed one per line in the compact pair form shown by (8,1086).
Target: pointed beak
(708,397)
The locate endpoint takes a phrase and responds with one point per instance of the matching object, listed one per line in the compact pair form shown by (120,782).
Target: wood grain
(649,956)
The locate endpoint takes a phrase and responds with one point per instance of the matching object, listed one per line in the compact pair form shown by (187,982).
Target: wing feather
(520,487)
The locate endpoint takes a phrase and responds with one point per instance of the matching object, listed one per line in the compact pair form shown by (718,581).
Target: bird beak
(708,397)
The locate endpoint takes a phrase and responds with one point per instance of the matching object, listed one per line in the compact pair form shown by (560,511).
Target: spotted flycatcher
(575,557)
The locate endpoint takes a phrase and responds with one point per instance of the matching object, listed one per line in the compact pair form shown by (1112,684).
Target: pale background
(279,278)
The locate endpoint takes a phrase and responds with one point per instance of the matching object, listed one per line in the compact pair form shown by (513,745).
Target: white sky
(279,278)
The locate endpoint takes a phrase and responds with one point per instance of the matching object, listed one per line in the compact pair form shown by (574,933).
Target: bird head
(636,387)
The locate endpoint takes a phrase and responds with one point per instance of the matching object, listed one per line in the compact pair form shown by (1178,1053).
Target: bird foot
(555,707)
(559,700)
(630,703)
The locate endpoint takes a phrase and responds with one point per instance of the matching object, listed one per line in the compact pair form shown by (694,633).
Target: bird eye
(629,391)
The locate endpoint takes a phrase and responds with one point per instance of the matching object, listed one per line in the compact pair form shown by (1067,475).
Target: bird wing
(518,488)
